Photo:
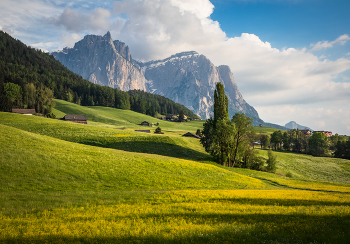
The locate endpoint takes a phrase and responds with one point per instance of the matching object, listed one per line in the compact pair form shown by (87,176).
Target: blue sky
(286,23)
(290,58)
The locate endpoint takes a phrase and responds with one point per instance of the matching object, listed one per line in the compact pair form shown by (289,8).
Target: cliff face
(187,78)
(104,62)
(190,79)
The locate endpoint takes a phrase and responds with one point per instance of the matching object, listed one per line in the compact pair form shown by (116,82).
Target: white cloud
(21,13)
(323,116)
(7,30)
(43,46)
(325,44)
(78,21)
(166,27)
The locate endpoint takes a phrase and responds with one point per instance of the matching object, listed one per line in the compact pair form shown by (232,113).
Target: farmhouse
(23,111)
(328,133)
(77,118)
(306,132)
(189,134)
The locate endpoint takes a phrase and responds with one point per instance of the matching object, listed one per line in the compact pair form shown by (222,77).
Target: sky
(290,58)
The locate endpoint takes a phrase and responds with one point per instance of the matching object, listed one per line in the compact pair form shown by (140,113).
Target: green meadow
(62,182)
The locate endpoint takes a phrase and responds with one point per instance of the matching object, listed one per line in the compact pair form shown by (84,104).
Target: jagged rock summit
(187,78)
(190,79)
(103,61)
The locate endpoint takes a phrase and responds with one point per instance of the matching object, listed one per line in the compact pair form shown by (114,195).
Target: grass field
(65,182)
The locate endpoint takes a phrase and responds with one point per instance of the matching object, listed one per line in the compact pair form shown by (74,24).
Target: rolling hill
(103,182)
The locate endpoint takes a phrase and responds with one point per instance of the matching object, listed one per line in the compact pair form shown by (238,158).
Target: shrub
(51,115)
(251,160)
(158,130)
(271,162)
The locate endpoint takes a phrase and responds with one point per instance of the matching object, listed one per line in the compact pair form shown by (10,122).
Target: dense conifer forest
(30,78)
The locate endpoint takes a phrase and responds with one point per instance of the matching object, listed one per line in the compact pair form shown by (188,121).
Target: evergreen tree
(181,116)
(220,103)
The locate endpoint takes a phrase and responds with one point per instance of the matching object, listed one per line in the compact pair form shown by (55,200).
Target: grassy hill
(118,118)
(66,182)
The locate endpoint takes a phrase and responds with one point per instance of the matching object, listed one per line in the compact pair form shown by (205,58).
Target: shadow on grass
(224,228)
(278,202)
(151,147)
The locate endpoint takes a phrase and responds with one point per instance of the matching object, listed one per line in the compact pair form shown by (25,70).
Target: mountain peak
(294,125)
(107,36)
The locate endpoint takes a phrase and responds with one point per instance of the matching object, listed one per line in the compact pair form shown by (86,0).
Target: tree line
(317,144)
(30,78)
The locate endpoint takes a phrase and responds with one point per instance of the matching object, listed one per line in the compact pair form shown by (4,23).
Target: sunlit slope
(308,172)
(119,118)
(128,140)
(32,162)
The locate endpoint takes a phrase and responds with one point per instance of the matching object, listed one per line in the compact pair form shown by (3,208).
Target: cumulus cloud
(165,27)
(78,21)
(326,44)
(7,30)
(333,117)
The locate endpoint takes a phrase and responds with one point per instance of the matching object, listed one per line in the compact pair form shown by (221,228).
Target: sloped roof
(189,134)
(23,111)
(75,117)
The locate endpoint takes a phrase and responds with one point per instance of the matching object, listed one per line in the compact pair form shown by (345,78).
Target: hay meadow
(62,182)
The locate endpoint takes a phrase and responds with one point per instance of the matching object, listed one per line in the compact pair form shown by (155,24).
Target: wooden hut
(23,111)
(145,123)
(77,118)
(189,134)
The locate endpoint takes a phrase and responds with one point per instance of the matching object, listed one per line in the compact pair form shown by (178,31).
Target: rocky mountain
(103,61)
(187,78)
(190,79)
(294,125)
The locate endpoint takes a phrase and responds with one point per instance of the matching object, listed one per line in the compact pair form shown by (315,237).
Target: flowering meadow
(62,182)
(193,216)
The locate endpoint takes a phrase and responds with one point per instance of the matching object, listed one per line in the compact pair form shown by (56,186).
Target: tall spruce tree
(217,131)
(220,103)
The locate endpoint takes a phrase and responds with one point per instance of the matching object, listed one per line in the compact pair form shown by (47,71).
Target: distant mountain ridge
(188,77)
(294,125)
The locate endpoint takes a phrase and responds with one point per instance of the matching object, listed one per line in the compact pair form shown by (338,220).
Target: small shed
(23,111)
(189,134)
(77,118)
(256,143)
(144,131)
(145,123)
